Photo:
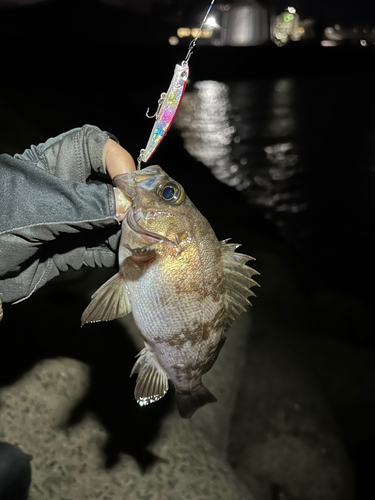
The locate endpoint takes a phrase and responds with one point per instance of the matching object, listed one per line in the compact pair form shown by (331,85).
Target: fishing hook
(160,104)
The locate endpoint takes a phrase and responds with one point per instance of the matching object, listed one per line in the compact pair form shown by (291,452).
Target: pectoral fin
(152,380)
(110,301)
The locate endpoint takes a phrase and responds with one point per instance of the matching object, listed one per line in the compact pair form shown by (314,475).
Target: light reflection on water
(203,119)
(245,133)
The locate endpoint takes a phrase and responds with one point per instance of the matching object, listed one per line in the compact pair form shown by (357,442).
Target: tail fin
(189,402)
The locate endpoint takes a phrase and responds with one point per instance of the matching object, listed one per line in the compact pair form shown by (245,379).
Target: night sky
(348,12)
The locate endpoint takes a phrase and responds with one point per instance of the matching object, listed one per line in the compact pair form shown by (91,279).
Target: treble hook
(160,104)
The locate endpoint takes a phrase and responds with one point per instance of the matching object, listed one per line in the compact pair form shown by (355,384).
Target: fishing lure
(169,101)
(168,105)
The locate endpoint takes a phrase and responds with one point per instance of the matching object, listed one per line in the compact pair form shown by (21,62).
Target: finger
(116,159)
(123,203)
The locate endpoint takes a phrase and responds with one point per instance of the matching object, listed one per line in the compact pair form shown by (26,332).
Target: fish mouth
(132,219)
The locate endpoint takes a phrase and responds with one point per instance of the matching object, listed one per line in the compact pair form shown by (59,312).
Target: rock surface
(69,463)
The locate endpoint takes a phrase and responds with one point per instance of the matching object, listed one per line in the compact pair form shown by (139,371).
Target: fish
(184,287)
(168,105)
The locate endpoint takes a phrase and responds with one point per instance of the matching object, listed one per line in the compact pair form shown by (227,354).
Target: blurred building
(243,23)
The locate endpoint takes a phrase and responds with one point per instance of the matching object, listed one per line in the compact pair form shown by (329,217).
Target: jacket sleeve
(52,217)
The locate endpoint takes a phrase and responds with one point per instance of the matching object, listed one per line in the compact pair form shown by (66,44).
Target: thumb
(123,203)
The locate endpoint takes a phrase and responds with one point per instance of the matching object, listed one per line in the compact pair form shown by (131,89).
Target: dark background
(67,63)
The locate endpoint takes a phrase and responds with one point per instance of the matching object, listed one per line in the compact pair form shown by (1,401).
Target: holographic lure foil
(169,103)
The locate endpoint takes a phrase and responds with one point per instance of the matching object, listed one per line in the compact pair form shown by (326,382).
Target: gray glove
(52,217)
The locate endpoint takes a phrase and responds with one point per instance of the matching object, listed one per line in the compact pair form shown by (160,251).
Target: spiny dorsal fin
(152,380)
(237,281)
(110,301)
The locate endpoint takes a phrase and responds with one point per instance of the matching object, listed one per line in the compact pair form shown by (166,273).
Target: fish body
(169,103)
(184,288)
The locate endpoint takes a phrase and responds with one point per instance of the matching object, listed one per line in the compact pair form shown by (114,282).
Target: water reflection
(245,133)
(204,122)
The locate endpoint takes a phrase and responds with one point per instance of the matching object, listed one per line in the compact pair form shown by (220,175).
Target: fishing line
(194,41)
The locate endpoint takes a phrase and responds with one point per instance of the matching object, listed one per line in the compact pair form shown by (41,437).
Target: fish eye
(171,192)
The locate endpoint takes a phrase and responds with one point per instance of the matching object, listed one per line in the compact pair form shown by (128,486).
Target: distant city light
(331,34)
(173,40)
(195,32)
(206,33)
(288,17)
(243,25)
(328,43)
(183,32)
(287,26)
(211,21)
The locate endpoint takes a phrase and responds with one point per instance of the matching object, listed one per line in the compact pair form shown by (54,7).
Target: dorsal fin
(152,380)
(237,281)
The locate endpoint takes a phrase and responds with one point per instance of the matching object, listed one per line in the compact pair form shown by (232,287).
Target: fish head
(160,209)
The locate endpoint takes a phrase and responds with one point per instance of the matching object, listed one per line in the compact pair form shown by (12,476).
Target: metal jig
(169,101)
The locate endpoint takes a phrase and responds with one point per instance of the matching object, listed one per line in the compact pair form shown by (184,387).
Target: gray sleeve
(51,218)
(72,155)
